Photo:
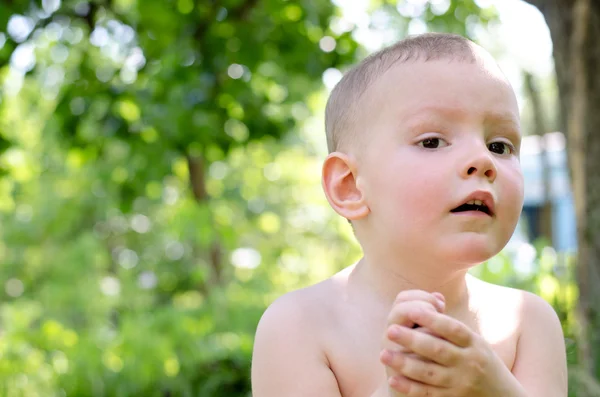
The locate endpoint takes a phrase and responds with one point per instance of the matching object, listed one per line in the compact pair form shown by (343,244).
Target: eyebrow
(507,122)
(490,117)
(458,112)
(508,125)
(432,114)
(445,111)
(504,118)
(425,113)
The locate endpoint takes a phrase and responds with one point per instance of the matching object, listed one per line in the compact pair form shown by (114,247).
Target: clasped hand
(428,353)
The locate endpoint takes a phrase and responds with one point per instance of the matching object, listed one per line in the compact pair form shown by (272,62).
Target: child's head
(415,131)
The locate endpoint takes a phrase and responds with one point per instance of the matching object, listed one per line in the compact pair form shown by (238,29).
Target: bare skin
(335,332)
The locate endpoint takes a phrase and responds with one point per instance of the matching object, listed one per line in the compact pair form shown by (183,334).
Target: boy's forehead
(444,68)
(444,86)
(479,58)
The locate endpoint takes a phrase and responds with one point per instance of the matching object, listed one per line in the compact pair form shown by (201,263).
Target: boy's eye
(433,143)
(500,148)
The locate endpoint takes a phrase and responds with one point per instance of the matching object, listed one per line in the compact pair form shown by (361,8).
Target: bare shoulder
(530,310)
(537,314)
(308,307)
(289,354)
(540,363)
(489,293)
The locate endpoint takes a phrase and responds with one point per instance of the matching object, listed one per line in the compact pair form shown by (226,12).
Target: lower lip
(478,214)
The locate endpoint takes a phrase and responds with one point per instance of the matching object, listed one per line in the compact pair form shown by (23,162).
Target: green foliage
(140,145)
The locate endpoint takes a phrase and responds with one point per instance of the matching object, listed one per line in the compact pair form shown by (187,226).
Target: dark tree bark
(540,129)
(575,31)
(196,167)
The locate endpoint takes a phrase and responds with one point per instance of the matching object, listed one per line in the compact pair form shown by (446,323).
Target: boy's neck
(388,280)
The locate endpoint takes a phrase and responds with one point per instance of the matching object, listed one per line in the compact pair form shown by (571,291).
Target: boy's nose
(480,165)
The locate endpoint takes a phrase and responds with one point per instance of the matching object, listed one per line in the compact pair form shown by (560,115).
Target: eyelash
(431,139)
(511,148)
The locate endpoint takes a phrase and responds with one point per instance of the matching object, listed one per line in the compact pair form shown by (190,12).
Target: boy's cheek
(513,178)
(512,194)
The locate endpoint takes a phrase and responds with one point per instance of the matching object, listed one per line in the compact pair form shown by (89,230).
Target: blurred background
(160,178)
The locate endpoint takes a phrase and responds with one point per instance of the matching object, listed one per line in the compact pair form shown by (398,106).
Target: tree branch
(242,12)
(197,177)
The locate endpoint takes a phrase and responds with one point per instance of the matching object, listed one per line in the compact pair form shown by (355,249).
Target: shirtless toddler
(424,141)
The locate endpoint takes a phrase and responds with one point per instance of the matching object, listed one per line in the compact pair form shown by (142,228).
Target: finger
(415,368)
(444,326)
(412,388)
(387,357)
(425,345)
(440,296)
(400,313)
(436,299)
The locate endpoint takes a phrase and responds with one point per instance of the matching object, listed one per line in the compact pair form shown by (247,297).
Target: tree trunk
(540,129)
(575,29)
(198,183)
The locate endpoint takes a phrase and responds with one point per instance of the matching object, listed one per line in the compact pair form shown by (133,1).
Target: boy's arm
(287,359)
(541,364)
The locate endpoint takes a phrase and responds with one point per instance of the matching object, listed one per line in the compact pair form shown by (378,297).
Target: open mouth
(473,205)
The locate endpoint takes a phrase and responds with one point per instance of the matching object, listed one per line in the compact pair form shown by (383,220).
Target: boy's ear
(340,185)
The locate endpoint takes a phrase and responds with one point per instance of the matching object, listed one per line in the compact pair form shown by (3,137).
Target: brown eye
(500,148)
(432,143)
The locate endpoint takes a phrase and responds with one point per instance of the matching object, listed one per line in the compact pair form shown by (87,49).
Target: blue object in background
(564,230)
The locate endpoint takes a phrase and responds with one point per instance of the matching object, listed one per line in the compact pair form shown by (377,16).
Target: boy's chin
(469,254)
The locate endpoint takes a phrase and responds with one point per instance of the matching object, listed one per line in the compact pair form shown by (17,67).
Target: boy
(424,142)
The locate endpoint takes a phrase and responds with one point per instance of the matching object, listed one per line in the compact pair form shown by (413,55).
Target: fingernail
(386,356)
(393,381)
(441,300)
(394,332)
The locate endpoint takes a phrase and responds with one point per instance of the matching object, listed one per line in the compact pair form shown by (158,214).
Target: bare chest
(355,345)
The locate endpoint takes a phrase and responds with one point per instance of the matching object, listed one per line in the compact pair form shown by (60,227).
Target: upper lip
(486,197)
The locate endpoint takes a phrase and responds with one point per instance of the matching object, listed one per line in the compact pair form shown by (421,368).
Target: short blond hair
(343,104)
